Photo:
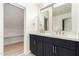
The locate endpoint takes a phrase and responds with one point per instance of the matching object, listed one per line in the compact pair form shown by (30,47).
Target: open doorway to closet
(13,29)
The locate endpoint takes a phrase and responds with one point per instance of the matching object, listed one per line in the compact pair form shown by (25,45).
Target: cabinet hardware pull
(34,42)
(53,49)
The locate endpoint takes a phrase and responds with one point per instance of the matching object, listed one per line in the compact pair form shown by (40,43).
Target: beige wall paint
(13,24)
(13,20)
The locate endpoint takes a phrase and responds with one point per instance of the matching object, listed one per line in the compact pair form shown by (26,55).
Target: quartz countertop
(65,37)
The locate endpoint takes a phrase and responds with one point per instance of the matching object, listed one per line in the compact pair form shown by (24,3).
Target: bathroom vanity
(46,45)
(61,20)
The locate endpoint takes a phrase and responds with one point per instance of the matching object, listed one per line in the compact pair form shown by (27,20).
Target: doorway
(13,29)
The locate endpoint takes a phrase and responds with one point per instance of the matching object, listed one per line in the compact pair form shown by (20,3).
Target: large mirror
(44,21)
(46,18)
(62,19)
(66,24)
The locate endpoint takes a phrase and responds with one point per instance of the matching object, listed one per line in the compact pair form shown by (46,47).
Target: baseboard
(7,37)
(26,53)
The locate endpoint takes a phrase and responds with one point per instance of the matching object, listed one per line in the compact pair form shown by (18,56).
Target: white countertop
(68,37)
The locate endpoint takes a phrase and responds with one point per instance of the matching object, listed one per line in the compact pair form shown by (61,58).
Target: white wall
(32,14)
(77,22)
(74,17)
(1,29)
(31,18)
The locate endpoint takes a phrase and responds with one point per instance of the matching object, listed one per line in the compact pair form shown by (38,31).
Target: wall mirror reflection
(62,20)
(44,20)
(66,24)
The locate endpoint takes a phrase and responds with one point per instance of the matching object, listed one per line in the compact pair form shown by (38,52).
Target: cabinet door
(77,48)
(40,46)
(48,49)
(33,45)
(61,51)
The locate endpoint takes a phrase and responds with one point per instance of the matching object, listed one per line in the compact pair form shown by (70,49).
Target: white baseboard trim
(26,53)
(14,43)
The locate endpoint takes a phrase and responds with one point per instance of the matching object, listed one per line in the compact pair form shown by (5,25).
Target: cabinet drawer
(65,43)
(48,40)
(39,37)
(64,51)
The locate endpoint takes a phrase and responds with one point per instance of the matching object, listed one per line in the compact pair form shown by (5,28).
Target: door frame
(24,8)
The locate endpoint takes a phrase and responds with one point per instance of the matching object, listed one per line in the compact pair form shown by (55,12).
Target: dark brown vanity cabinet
(64,47)
(33,44)
(39,46)
(36,45)
(46,46)
(62,51)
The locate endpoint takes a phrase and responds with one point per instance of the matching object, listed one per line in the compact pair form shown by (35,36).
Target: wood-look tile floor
(29,54)
(14,49)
